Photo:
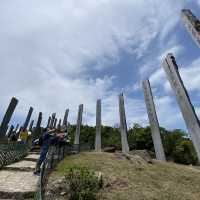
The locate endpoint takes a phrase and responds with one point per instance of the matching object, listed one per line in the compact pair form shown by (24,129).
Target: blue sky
(55,56)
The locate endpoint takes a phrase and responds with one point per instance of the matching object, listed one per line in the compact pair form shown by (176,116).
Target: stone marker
(64,124)
(192,24)
(16,128)
(37,129)
(98,126)
(7,116)
(38,124)
(55,123)
(52,120)
(10,131)
(78,126)
(49,121)
(31,125)
(59,124)
(153,120)
(123,125)
(7,128)
(183,99)
(18,132)
(28,117)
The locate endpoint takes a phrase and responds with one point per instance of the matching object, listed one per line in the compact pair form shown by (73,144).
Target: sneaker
(37,173)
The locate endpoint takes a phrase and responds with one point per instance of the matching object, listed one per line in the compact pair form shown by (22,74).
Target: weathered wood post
(31,126)
(28,118)
(192,25)
(48,122)
(123,125)
(59,124)
(39,121)
(37,130)
(55,123)
(18,132)
(98,126)
(52,120)
(183,99)
(10,131)
(7,116)
(153,120)
(16,128)
(78,126)
(64,124)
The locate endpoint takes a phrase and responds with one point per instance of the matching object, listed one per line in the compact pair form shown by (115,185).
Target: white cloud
(167,105)
(175,50)
(168,112)
(48,49)
(190,76)
(151,65)
(66,93)
(157,77)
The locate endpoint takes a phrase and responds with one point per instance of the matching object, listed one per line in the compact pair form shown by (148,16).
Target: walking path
(17,180)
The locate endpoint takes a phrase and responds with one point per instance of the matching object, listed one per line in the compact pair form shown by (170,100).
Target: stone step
(17,184)
(22,165)
(17,196)
(35,152)
(32,157)
(15,199)
(21,169)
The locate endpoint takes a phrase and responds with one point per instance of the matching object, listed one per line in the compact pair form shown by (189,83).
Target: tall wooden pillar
(78,126)
(7,116)
(155,130)
(98,126)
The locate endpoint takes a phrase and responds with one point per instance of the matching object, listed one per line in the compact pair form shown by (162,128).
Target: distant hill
(132,178)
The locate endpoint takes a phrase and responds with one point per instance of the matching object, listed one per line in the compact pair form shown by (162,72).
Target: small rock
(63,193)
(100,179)
(109,149)
(143,154)
(108,185)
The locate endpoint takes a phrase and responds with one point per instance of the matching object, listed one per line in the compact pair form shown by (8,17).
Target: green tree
(184,153)
(176,147)
(140,138)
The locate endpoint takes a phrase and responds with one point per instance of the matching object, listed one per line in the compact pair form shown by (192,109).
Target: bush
(83,184)
(184,153)
(140,138)
(170,142)
(111,137)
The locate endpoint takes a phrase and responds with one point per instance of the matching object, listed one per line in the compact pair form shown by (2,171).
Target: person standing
(23,135)
(44,141)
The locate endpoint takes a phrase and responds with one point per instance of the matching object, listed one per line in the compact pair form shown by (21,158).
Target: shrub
(170,142)
(184,153)
(83,184)
(140,138)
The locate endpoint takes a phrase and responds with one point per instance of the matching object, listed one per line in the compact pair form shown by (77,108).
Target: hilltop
(132,178)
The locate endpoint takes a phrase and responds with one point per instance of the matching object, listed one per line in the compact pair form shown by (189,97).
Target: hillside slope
(132,178)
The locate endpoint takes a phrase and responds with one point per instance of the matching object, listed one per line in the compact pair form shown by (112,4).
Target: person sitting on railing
(44,141)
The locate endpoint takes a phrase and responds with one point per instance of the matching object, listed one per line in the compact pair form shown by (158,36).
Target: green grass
(134,179)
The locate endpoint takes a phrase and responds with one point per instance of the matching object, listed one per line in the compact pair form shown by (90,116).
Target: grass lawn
(134,179)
